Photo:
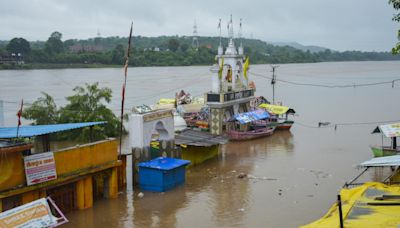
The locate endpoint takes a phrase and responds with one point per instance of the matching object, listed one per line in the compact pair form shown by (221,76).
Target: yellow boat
(371,204)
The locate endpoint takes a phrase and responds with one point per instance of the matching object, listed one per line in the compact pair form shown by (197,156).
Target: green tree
(396,17)
(3,52)
(68,43)
(88,105)
(173,45)
(42,111)
(184,47)
(19,45)
(118,54)
(54,45)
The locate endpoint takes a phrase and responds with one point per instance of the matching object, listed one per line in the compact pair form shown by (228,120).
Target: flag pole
(123,89)
(19,114)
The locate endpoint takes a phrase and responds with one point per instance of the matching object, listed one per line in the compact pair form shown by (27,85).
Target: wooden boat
(249,125)
(280,124)
(391,131)
(252,134)
(285,125)
(381,151)
(279,116)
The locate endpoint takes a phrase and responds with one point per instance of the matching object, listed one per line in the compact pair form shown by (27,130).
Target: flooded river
(297,174)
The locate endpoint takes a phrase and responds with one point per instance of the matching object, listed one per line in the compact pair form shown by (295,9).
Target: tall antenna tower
(240,32)
(195,41)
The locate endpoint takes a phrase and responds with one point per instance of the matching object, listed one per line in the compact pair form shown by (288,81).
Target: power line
(392,82)
(335,125)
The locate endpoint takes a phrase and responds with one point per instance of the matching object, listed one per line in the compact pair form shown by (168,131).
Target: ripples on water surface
(296,174)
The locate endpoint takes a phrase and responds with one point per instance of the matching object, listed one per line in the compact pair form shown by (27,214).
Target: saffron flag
(19,113)
(246,67)
(221,67)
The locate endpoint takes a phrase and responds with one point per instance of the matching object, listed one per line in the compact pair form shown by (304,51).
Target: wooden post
(394,143)
(122,173)
(339,202)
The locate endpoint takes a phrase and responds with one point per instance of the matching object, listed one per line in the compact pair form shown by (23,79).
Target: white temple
(231,62)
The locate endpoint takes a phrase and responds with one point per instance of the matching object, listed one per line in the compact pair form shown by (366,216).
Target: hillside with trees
(160,51)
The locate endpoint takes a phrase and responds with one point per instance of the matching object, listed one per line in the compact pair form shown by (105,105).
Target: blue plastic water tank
(162,174)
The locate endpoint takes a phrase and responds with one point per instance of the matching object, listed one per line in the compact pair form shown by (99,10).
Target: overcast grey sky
(337,24)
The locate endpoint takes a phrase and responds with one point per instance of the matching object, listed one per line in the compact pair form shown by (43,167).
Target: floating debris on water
(249,176)
(140,194)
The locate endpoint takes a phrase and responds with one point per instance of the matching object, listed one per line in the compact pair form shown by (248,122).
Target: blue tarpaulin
(162,163)
(36,130)
(247,117)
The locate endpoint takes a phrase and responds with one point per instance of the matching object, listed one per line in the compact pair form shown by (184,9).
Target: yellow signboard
(157,115)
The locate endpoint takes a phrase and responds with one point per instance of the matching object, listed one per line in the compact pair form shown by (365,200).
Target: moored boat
(285,125)
(249,125)
(381,151)
(391,131)
(368,204)
(252,134)
(279,116)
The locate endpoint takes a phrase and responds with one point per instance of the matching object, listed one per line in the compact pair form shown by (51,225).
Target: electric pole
(273,81)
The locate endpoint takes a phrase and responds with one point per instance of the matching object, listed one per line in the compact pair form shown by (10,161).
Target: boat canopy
(382,161)
(277,109)
(372,204)
(247,117)
(389,130)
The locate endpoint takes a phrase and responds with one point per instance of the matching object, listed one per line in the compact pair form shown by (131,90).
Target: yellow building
(73,177)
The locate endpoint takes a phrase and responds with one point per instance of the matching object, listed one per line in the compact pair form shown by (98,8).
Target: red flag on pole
(19,114)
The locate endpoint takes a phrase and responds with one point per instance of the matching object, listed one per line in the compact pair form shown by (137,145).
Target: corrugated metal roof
(382,161)
(35,130)
(199,138)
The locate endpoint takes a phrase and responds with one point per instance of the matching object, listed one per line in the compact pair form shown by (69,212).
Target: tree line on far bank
(165,51)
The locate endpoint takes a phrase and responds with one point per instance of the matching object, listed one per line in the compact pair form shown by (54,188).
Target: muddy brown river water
(295,174)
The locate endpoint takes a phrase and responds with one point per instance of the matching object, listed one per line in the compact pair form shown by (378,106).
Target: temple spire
(230,28)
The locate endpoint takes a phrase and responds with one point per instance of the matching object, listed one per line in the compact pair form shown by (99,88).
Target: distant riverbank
(31,66)
(38,66)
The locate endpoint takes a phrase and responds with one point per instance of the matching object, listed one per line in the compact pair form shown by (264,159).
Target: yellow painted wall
(85,156)
(198,154)
(12,171)
(68,160)
(30,196)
